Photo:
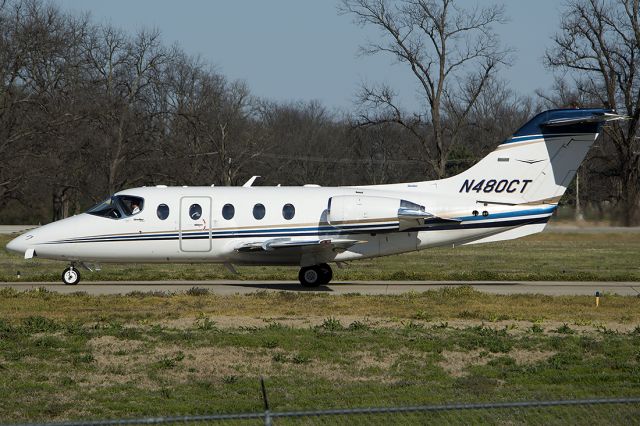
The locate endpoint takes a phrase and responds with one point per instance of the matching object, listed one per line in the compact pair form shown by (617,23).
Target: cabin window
(288,211)
(162,211)
(228,211)
(118,206)
(258,211)
(195,211)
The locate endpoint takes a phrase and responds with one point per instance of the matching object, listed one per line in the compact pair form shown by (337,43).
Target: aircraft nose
(18,244)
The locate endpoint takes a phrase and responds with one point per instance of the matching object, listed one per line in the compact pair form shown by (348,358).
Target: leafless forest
(87,110)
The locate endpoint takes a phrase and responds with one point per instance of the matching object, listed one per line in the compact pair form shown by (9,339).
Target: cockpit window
(107,208)
(118,206)
(131,205)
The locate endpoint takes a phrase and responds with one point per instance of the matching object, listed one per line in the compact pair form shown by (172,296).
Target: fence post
(267,414)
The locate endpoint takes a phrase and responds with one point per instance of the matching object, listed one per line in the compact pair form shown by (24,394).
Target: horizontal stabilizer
(282,243)
(510,234)
(596,117)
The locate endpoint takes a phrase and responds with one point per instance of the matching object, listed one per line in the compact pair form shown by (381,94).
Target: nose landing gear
(313,276)
(71,276)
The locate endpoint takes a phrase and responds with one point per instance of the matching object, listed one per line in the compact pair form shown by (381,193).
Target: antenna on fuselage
(250,181)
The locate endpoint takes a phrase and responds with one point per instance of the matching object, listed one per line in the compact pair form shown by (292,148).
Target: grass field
(79,356)
(547,256)
(148,354)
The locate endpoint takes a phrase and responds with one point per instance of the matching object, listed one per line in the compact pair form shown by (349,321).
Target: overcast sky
(289,50)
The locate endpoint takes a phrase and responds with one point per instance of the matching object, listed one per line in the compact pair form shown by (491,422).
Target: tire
(326,273)
(311,276)
(71,276)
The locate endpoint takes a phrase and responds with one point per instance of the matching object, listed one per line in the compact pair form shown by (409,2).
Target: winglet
(250,181)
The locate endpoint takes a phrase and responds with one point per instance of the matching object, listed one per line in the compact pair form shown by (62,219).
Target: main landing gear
(313,276)
(71,275)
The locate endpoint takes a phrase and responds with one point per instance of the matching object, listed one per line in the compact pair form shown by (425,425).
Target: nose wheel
(313,276)
(71,276)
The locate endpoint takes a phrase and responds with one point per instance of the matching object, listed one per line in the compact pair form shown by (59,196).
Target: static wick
(597,299)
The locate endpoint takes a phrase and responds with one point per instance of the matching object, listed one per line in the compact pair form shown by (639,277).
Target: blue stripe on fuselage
(476,222)
(318,230)
(529,212)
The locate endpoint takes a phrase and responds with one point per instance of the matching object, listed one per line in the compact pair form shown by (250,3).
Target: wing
(284,243)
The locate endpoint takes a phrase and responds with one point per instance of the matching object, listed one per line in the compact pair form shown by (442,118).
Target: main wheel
(326,274)
(71,276)
(310,276)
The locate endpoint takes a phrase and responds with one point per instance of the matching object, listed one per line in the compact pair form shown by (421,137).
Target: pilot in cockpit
(135,207)
(118,206)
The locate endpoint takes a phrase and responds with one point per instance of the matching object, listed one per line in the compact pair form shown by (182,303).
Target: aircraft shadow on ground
(283,287)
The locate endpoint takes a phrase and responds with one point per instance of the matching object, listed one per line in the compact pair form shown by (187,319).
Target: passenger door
(195,224)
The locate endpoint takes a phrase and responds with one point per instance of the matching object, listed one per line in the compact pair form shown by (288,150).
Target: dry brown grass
(121,361)
(295,308)
(457,363)
(512,327)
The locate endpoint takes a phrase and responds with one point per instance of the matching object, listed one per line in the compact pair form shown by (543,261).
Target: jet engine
(347,209)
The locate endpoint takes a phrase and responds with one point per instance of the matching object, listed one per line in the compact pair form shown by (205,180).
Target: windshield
(118,206)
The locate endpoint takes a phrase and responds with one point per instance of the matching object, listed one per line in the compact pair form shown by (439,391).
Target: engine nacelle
(347,209)
(350,208)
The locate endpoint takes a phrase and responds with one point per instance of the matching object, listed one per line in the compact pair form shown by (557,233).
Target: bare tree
(305,142)
(86,109)
(452,52)
(38,76)
(497,113)
(599,44)
(214,126)
(124,71)
(234,134)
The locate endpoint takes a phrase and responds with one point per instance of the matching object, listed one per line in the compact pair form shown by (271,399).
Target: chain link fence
(584,411)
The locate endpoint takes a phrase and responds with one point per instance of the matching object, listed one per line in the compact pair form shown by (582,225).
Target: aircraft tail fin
(535,165)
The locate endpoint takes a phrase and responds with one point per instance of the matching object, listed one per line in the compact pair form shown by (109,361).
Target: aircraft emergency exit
(510,193)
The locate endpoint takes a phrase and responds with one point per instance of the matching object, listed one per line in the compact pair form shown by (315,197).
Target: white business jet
(510,193)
